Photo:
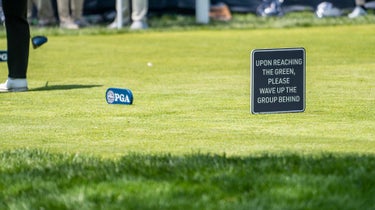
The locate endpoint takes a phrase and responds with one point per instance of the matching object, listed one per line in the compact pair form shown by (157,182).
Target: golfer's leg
(18,37)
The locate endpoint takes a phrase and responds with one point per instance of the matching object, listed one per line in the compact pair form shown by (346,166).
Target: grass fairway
(63,140)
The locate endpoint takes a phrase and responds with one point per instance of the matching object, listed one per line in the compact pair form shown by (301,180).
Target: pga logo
(119,96)
(3,55)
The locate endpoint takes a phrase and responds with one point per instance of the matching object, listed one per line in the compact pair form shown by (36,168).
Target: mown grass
(63,147)
(196,95)
(40,180)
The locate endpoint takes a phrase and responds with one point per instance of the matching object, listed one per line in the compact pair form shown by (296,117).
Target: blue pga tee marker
(119,96)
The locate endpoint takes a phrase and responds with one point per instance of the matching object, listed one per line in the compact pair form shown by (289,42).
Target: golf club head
(38,41)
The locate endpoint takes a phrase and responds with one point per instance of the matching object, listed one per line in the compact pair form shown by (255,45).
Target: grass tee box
(278,80)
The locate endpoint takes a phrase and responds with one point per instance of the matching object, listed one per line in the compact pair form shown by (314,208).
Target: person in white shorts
(71,14)
(138,16)
(359,10)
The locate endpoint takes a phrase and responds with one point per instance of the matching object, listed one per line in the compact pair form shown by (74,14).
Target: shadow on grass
(63,87)
(35,179)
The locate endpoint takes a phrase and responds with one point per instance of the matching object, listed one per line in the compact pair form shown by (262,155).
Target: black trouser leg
(18,37)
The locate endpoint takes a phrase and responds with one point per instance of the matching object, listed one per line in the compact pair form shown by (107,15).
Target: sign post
(278,80)
(119,19)
(202,9)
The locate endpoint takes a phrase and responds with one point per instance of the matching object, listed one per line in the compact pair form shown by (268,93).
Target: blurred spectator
(2,17)
(44,12)
(359,10)
(220,11)
(138,14)
(71,14)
